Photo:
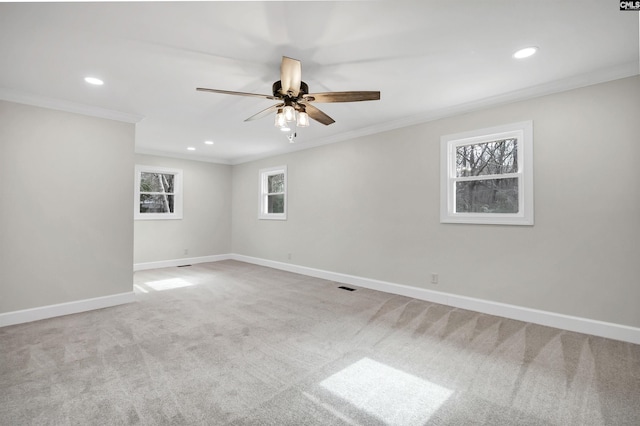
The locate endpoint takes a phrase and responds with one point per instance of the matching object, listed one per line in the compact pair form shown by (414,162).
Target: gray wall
(66,227)
(370,207)
(205,228)
(366,207)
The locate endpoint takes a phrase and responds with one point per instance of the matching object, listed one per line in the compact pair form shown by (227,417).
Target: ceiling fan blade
(318,115)
(290,76)
(227,92)
(265,112)
(342,96)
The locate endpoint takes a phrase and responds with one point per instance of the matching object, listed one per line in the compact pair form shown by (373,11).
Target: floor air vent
(347,288)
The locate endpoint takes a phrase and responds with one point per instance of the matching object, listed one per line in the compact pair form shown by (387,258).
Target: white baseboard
(50,311)
(179,262)
(551,319)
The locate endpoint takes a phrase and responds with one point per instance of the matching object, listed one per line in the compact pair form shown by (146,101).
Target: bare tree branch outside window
(275,193)
(495,191)
(157,192)
(486,175)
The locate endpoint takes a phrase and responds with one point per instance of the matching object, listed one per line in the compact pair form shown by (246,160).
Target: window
(486,176)
(273,193)
(158,193)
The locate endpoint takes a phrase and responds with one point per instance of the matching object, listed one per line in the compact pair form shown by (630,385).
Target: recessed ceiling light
(191,148)
(94,81)
(208,142)
(525,53)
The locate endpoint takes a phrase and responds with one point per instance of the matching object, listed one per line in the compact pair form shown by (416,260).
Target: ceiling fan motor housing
(277,86)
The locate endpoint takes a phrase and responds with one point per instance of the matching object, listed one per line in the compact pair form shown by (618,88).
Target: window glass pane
(488,158)
(487,196)
(275,203)
(156,182)
(156,203)
(275,183)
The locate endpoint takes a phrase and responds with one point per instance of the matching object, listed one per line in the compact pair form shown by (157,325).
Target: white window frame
(177,195)
(523,132)
(263,175)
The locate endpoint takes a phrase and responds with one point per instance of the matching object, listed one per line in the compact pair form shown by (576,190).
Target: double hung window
(487,176)
(158,193)
(273,193)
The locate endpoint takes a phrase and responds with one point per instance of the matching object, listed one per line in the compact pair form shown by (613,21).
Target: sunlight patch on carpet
(140,289)
(168,284)
(391,395)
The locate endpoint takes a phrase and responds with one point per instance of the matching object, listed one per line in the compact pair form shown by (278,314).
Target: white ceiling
(429,59)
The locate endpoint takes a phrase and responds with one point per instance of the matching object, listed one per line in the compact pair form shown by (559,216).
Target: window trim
(263,176)
(523,131)
(177,197)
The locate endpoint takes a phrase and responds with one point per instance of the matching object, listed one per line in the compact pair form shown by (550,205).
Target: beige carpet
(229,343)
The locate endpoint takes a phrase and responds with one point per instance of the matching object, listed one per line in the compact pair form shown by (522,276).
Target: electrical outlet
(186,251)
(434,278)
(289,256)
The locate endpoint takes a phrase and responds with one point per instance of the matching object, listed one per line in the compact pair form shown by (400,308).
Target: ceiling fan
(295,100)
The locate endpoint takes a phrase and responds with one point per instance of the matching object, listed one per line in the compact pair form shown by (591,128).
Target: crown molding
(67,106)
(601,76)
(192,157)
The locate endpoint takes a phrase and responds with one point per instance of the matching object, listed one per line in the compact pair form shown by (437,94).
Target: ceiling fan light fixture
(280,120)
(289,113)
(303,119)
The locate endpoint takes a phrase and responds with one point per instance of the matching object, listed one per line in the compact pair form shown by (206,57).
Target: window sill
(156,216)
